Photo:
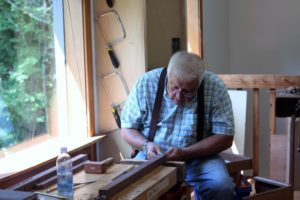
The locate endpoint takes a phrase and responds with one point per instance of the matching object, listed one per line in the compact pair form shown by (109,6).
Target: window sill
(35,156)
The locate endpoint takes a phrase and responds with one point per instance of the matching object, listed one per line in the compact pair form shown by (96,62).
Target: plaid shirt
(177,124)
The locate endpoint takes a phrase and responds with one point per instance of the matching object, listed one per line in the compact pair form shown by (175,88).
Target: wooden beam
(30,183)
(180,165)
(236,163)
(88,62)
(255,131)
(260,81)
(257,82)
(292,150)
(268,189)
(123,181)
(272,116)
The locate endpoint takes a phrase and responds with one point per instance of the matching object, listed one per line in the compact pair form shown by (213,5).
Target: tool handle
(117,117)
(110,3)
(113,58)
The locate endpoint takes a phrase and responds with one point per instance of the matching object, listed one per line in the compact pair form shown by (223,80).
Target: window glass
(27,71)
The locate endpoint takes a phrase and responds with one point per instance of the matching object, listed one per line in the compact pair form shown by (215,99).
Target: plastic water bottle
(64,174)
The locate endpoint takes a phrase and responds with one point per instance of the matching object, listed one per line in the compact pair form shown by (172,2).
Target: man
(176,133)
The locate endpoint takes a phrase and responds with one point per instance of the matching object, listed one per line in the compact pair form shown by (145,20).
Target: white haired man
(176,130)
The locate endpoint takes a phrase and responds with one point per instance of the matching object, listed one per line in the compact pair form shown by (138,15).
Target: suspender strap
(157,104)
(200,112)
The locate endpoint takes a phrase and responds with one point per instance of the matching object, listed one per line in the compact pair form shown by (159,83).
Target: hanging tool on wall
(110,3)
(116,102)
(113,32)
(111,15)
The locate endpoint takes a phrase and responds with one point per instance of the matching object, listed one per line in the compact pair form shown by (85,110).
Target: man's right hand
(153,150)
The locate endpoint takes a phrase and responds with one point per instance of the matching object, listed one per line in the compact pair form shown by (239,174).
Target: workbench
(146,180)
(154,183)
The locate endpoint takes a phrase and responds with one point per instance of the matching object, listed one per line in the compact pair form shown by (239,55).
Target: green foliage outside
(27,69)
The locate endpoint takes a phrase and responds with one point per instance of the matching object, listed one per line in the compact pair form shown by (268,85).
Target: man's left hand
(153,150)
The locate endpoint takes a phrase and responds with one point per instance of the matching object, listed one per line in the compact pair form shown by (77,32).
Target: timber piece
(46,183)
(257,82)
(236,163)
(95,167)
(292,150)
(88,62)
(123,181)
(267,189)
(31,183)
(180,169)
(151,186)
(261,81)
(272,114)
(255,148)
(180,166)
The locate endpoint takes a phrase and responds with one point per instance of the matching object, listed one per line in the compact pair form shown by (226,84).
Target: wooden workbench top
(151,186)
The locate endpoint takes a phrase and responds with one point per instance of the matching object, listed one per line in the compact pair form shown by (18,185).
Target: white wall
(264,36)
(253,37)
(216,35)
(164,21)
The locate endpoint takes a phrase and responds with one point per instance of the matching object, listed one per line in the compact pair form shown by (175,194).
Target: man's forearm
(133,137)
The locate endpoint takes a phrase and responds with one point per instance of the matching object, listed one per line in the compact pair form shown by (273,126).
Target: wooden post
(272,105)
(292,150)
(255,131)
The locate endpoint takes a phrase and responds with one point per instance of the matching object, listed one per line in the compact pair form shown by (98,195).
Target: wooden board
(151,186)
(267,189)
(260,81)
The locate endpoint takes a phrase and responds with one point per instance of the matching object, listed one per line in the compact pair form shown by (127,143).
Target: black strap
(157,104)
(200,112)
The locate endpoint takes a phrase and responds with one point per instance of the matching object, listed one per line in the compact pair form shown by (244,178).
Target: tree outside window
(27,69)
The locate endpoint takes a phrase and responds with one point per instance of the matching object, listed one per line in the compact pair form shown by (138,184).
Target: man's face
(182,91)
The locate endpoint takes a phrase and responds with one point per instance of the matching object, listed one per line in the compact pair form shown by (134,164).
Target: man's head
(185,73)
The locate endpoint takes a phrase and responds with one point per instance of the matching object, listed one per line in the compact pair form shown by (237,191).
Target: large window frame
(86,145)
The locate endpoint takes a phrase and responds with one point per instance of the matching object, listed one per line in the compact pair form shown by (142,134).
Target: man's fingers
(151,155)
(158,150)
(170,150)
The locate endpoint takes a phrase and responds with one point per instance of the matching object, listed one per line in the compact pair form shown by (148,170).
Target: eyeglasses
(185,93)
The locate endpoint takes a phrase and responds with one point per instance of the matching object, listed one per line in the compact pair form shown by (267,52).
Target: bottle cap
(63,150)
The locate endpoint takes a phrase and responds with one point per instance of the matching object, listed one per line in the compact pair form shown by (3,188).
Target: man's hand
(153,150)
(175,154)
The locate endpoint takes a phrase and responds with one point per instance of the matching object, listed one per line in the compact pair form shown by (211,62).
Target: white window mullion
(61,74)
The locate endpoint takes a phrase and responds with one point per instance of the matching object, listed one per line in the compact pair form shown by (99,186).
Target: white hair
(186,66)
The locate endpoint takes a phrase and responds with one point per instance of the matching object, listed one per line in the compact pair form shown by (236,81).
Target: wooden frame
(90,148)
(27,174)
(88,61)
(257,82)
(267,189)
(121,182)
(194,26)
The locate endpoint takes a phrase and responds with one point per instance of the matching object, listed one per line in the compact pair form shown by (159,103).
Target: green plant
(27,68)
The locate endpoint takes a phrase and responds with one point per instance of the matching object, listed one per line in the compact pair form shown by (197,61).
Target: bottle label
(65,184)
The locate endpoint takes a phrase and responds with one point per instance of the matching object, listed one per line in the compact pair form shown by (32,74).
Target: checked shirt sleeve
(222,120)
(133,110)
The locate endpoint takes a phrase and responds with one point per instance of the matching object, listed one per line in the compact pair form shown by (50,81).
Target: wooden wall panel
(130,52)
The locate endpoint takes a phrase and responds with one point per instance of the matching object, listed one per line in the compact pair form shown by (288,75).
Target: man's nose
(179,95)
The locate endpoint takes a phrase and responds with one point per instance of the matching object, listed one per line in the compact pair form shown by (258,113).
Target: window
(27,71)
(45,97)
